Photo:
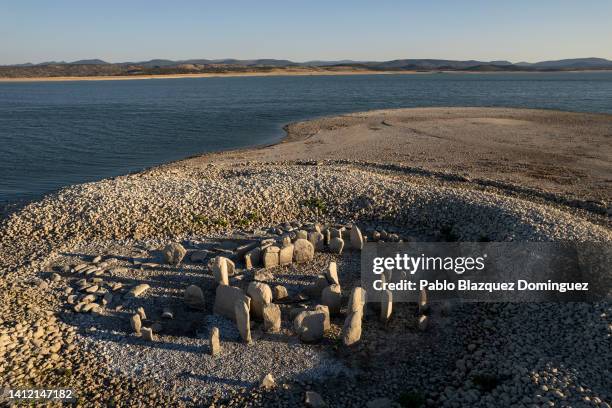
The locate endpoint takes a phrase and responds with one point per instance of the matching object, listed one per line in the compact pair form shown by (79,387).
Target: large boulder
(309,325)
(225,297)
(303,251)
(173,253)
(261,296)
(272,318)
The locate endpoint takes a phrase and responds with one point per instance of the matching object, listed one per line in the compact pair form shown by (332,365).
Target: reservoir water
(53,134)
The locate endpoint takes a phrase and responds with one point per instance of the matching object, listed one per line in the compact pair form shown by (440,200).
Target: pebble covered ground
(472,355)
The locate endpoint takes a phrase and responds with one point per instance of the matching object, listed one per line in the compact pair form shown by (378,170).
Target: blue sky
(132,30)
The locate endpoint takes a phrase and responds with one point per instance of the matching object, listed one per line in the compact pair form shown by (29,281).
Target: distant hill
(98,67)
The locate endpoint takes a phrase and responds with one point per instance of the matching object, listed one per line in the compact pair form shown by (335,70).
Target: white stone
(310,325)
(386,305)
(242,317)
(215,344)
(267,382)
(279,292)
(138,290)
(272,318)
(147,333)
(356,237)
(303,251)
(423,322)
(332,298)
(261,295)
(136,323)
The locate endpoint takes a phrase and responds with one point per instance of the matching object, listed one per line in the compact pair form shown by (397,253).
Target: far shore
(276,72)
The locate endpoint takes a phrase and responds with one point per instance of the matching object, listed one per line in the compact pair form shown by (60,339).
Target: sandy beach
(273,72)
(427,174)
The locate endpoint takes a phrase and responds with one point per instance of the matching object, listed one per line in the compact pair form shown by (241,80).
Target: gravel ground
(478,355)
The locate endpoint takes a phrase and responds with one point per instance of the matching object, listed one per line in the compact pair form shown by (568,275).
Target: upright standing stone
(386,305)
(252,258)
(194,297)
(423,305)
(147,334)
(335,233)
(225,297)
(351,331)
(272,318)
(317,240)
(220,272)
(141,312)
(136,323)
(261,295)
(303,251)
(326,236)
(356,238)
(215,344)
(271,256)
(336,245)
(332,274)
(173,253)
(332,298)
(357,300)
(286,254)
(243,321)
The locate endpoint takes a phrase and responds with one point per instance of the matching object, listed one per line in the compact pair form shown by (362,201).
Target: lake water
(53,134)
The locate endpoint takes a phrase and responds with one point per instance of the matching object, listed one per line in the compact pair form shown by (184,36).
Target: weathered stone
(194,297)
(423,305)
(317,240)
(336,245)
(215,344)
(356,238)
(147,333)
(326,236)
(136,323)
(423,322)
(55,277)
(332,274)
(271,257)
(138,290)
(375,236)
(314,400)
(303,251)
(242,318)
(252,258)
(357,300)
(261,295)
(231,267)
(272,318)
(220,270)
(351,331)
(301,234)
(267,382)
(279,292)
(141,313)
(310,325)
(335,233)
(96,259)
(320,284)
(332,298)
(286,254)
(325,310)
(173,253)
(386,305)
(225,297)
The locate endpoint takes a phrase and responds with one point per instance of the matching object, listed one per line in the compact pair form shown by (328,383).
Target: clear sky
(133,30)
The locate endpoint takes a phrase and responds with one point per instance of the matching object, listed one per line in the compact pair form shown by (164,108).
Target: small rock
(314,400)
(147,333)
(272,318)
(332,298)
(310,325)
(194,297)
(136,323)
(167,313)
(215,344)
(55,277)
(141,313)
(267,382)
(138,290)
(279,292)
(422,324)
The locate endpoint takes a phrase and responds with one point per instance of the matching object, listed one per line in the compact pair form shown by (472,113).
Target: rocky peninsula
(120,289)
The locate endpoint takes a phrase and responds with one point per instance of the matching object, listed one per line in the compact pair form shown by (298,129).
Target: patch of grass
(486,382)
(201,220)
(316,204)
(411,399)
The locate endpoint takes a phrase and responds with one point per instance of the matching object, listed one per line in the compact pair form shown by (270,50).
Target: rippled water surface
(54,134)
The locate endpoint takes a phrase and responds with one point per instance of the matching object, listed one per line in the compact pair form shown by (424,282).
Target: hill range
(97,67)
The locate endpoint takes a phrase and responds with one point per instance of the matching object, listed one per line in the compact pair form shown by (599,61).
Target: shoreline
(273,73)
